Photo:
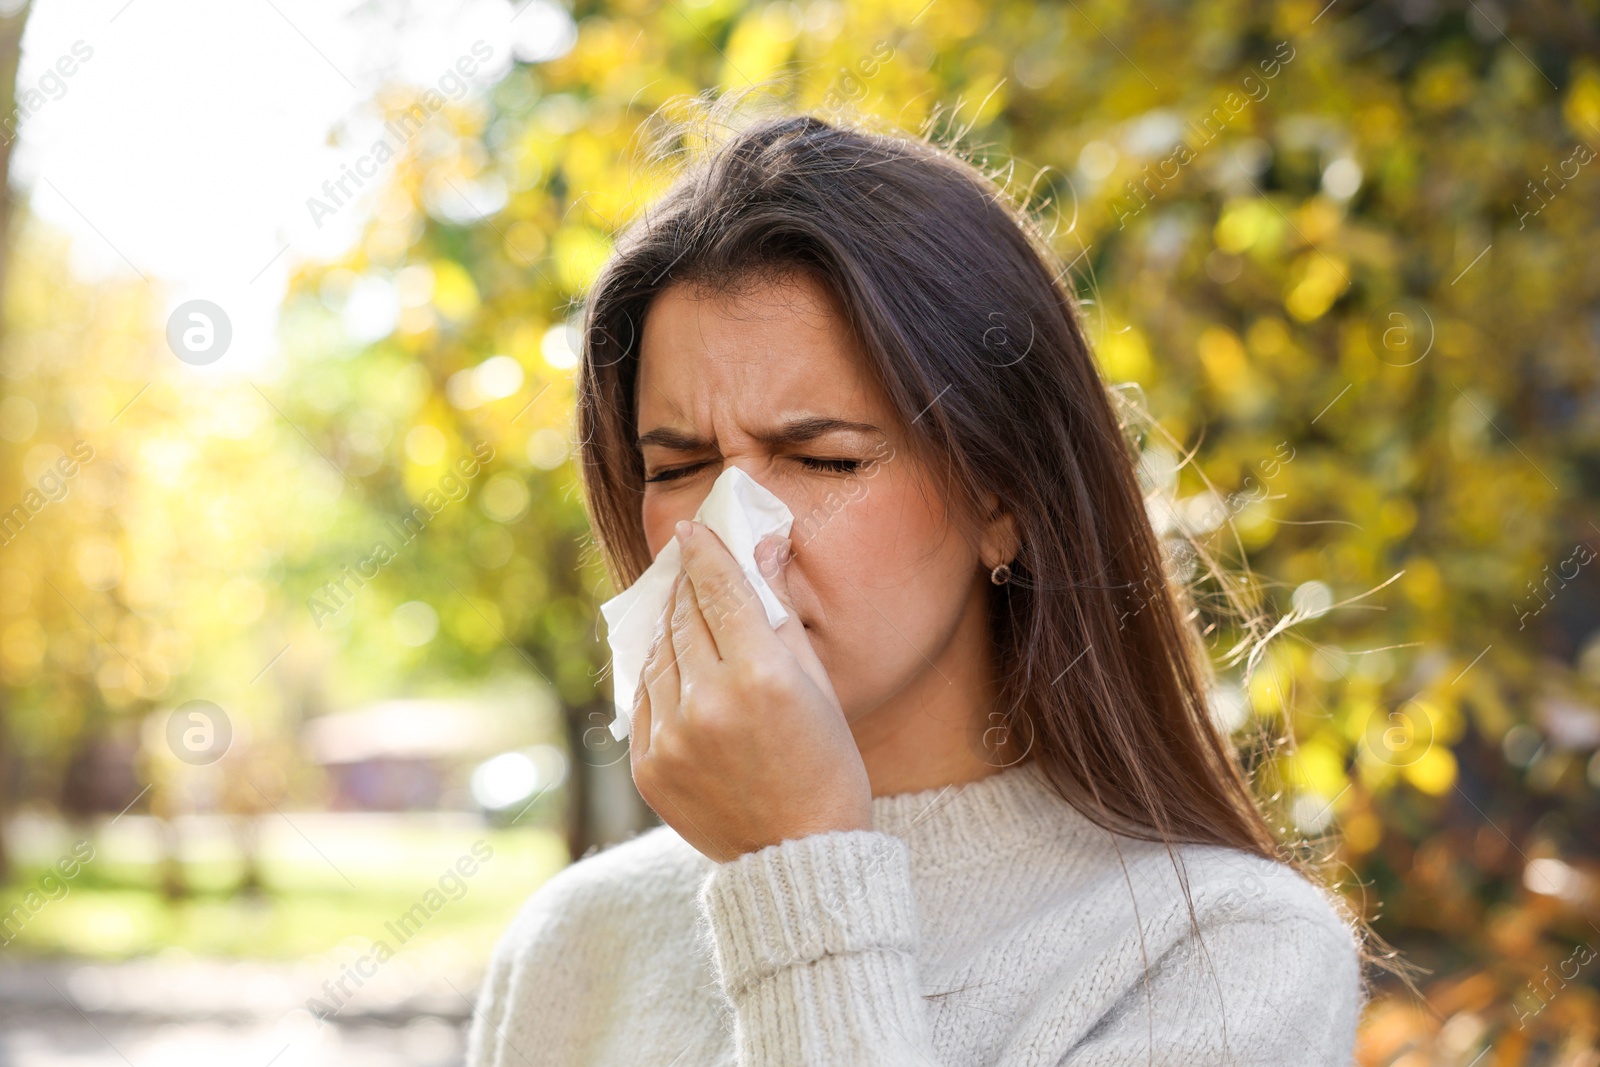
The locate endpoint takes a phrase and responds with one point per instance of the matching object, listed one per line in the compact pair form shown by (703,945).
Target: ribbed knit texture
(988,923)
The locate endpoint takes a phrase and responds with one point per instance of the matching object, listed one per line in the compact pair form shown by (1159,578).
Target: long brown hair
(978,346)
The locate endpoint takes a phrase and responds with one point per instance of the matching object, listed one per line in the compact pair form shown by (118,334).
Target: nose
(660,516)
(759,470)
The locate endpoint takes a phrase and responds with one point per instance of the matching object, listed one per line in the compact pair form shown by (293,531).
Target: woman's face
(771,381)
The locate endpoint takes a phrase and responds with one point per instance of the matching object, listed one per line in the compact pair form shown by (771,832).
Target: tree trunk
(579,776)
(11,28)
(603,807)
(8,768)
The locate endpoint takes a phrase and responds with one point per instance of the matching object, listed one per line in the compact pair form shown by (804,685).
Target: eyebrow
(796,432)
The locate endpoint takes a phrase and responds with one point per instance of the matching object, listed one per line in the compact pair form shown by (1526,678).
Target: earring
(1001,574)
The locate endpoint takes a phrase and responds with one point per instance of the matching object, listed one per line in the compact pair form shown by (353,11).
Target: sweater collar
(1004,810)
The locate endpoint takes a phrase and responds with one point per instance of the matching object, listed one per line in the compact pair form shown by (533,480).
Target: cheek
(887,535)
(661,515)
(884,580)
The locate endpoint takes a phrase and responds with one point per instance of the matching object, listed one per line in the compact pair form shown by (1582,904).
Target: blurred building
(408,755)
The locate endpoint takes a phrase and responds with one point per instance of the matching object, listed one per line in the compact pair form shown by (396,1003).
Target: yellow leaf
(1316,767)
(1322,281)
(579,254)
(1125,356)
(454,295)
(1581,108)
(1434,773)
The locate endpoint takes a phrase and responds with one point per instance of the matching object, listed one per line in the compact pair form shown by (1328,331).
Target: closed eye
(674,473)
(832,466)
(837,466)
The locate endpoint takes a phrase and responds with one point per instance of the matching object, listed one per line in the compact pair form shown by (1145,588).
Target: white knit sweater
(989,923)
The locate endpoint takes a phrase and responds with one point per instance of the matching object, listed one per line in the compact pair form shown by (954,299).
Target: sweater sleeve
(1258,992)
(814,943)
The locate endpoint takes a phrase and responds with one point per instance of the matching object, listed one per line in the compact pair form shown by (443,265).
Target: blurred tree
(1344,253)
(12,24)
(1340,255)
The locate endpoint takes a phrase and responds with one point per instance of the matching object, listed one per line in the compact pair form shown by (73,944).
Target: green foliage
(1308,236)
(1344,254)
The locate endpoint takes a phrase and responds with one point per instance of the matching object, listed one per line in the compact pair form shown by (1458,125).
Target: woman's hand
(738,739)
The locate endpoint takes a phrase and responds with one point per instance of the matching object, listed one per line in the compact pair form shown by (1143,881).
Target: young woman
(968,805)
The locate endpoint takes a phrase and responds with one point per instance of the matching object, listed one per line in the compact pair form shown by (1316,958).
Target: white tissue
(740,512)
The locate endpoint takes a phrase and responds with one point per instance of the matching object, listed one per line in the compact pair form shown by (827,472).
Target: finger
(639,725)
(773,555)
(772,559)
(772,552)
(694,648)
(731,609)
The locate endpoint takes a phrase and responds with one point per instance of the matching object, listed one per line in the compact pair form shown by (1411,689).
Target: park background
(1342,253)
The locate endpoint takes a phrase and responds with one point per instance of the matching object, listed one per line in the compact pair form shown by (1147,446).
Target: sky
(189,135)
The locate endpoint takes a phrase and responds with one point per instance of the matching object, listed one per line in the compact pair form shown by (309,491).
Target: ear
(1000,542)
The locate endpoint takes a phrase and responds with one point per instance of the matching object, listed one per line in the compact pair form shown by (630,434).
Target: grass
(326,885)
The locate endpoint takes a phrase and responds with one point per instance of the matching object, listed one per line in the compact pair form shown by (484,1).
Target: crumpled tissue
(740,512)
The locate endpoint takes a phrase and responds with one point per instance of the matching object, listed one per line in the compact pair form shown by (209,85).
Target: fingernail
(683,529)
